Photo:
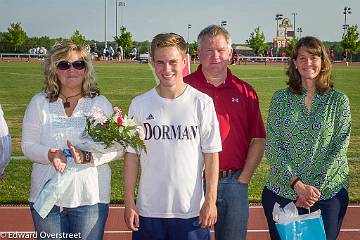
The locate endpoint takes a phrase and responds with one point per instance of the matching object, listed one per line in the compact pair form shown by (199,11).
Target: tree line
(350,41)
(15,40)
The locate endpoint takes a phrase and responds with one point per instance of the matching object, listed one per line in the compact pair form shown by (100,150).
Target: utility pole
(105,23)
(294,25)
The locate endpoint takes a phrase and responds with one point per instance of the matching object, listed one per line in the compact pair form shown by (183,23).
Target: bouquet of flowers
(102,135)
(114,132)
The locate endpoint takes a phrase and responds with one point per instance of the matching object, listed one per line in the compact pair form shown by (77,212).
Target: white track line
(21,74)
(157,81)
(117,77)
(127,231)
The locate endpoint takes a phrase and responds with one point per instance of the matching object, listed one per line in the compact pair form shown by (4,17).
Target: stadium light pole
(105,23)
(188,33)
(118,4)
(278,17)
(116,18)
(122,5)
(294,26)
(346,11)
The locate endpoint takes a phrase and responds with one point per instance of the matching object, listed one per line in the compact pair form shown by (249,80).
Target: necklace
(67,103)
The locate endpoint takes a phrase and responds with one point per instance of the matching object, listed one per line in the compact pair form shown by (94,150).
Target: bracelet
(67,153)
(294,182)
(87,157)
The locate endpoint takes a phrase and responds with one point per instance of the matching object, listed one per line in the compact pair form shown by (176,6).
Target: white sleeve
(102,158)
(131,114)
(209,129)
(3,126)
(31,132)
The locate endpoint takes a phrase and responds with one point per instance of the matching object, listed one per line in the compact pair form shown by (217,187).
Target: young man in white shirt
(182,139)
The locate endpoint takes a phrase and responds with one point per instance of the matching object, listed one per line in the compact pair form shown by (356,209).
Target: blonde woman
(54,117)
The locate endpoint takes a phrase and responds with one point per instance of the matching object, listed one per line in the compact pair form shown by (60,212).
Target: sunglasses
(65,65)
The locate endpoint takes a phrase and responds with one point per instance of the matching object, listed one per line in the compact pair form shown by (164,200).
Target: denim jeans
(233,209)
(5,152)
(88,221)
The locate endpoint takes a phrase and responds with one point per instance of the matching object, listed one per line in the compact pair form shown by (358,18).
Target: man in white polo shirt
(182,140)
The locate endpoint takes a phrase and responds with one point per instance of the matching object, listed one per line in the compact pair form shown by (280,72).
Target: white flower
(141,132)
(117,111)
(117,114)
(128,122)
(99,118)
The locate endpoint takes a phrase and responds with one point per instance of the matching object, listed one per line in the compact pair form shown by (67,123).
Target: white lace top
(46,125)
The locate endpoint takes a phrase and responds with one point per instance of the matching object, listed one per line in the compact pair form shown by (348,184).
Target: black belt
(226,173)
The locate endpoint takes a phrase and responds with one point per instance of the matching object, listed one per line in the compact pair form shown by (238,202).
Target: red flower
(119,120)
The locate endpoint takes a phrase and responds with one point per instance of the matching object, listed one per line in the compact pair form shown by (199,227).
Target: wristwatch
(87,157)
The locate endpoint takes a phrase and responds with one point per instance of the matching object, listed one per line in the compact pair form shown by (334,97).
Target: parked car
(143,58)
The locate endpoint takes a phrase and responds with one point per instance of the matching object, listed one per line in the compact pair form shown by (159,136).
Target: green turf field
(19,81)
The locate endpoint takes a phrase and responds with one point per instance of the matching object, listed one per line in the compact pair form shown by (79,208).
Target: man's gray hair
(213,31)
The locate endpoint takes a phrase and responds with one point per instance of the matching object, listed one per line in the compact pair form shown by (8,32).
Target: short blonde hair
(61,52)
(213,31)
(168,40)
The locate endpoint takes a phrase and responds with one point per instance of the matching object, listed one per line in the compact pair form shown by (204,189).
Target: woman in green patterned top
(308,131)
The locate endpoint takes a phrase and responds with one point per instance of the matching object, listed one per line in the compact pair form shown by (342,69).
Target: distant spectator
(265,52)
(87,48)
(234,58)
(283,55)
(271,54)
(331,55)
(32,51)
(346,57)
(194,55)
(42,50)
(119,53)
(133,53)
(111,52)
(106,53)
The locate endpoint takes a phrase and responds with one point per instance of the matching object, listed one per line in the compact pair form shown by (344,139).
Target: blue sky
(146,18)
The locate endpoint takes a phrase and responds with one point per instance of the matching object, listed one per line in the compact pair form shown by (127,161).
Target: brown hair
(324,82)
(168,40)
(61,52)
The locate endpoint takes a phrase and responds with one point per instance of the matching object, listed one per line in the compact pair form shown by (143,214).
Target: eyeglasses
(65,65)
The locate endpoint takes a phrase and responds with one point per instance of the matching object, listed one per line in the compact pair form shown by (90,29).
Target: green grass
(14,188)
(120,83)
